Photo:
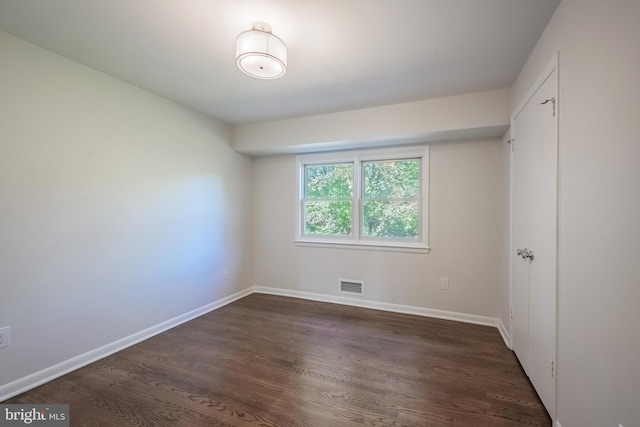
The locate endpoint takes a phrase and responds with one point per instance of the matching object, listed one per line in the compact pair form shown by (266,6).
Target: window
(373,198)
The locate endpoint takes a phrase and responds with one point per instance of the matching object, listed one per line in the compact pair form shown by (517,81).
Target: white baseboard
(505,333)
(38,378)
(396,308)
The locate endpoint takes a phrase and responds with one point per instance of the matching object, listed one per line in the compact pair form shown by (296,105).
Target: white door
(534,258)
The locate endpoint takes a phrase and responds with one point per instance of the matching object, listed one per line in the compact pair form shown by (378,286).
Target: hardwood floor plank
(274,361)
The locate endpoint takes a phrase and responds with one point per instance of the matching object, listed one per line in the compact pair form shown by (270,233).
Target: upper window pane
(392,179)
(329,182)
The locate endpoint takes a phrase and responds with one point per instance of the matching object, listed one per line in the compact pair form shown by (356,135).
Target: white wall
(118,209)
(467,233)
(599,207)
(505,297)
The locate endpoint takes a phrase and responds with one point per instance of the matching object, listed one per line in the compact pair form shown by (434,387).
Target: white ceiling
(342,54)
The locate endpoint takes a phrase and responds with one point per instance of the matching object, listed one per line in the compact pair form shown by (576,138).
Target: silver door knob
(525,253)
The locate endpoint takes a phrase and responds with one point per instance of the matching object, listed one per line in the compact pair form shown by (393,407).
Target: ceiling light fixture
(260,54)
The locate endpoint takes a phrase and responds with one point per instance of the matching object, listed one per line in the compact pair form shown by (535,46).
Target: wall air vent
(354,287)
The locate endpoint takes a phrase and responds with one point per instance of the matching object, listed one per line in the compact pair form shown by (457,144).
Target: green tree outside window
(328,199)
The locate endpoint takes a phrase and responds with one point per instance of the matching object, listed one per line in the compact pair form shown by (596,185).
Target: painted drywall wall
(467,228)
(505,297)
(474,115)
(599,207)
(118,209)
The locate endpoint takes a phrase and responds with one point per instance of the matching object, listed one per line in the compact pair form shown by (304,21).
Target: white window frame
(356,240)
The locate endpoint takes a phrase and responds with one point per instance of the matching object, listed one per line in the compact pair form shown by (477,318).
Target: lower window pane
(327,218)
(390,219)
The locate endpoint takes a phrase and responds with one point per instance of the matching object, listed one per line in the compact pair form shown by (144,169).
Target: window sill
(385,247)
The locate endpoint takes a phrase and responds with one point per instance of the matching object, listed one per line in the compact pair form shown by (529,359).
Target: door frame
(552,66)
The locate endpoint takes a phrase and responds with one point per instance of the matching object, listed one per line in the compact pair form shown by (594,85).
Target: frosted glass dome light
(260,54)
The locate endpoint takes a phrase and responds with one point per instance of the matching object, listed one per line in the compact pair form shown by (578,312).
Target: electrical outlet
(444,283)
(225,274)
(4,337)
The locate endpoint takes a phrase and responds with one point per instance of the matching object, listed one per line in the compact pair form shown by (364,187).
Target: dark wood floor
(274,361)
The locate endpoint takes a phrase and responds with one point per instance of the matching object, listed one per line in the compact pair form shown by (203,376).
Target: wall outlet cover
(4,337)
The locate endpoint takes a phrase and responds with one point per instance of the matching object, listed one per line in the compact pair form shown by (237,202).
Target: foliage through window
(328,199)
(373,197)
(391,199)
